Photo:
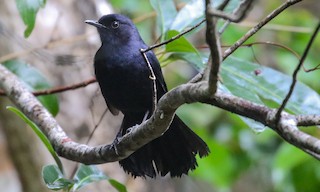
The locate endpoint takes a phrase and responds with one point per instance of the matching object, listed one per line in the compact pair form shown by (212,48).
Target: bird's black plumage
(125,83)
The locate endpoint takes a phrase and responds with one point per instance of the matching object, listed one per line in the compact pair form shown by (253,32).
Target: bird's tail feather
(174,152)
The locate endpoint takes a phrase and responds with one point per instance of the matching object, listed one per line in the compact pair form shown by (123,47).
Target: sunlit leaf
(34,80)
(28,10)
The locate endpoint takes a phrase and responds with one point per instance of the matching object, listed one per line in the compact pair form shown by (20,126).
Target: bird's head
(115,29)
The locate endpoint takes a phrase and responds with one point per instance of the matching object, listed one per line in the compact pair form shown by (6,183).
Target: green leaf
(34,81)
(182,49)
(119,186)
(87,174)
(240,78)
(166,12)
(28,11)
(54,178)
(179,45)
(39,133)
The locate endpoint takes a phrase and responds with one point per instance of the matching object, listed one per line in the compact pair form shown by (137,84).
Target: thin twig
(153,78)
(50,45)
(277,27)
(238,15)
(173,38)
(295,73)
(273,44)
(312,69)
(223,5)
(60,42)
(256,28)
(286,48)
(60,89)
(96,126)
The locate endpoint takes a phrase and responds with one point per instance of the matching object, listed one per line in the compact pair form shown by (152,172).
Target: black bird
(124,79)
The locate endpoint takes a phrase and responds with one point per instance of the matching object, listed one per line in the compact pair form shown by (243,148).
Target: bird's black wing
(98,67)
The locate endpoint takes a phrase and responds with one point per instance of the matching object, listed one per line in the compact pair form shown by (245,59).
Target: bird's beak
(94,23)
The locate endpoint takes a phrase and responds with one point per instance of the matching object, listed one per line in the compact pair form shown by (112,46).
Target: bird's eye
(115,24)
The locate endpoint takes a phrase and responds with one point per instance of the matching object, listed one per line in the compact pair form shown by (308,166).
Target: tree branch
(295,73)
(173,38)
(60,89)
(153,127)
(256,28)
(308,120)
(238,14)
(215,50)
(157,124)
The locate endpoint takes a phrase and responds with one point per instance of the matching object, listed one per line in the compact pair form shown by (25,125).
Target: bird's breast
(125,84)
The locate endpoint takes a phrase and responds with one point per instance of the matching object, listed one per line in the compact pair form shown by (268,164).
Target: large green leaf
(54,179)
(28,11)
(34,80)
(182,49)
(267,86)
(166,12)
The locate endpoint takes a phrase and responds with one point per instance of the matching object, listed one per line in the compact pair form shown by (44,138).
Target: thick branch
(198,91)
(215,50)
(152,128)
(308,120)
(69,149)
